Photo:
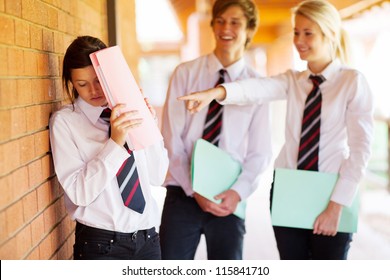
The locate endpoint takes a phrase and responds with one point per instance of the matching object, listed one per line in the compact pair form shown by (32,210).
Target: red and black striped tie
(213,124)
(127,177)
(311,124)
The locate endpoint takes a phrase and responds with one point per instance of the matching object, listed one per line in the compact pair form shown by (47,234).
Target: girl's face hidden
(86,83)
(310,42)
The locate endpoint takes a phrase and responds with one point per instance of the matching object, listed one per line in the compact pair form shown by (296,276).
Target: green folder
(214,171)
(299,196)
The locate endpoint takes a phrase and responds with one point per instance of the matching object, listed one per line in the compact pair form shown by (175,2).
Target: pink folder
(119,86)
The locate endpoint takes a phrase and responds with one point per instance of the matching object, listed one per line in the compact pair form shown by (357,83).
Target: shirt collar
(91,112)
(328,73)
(233,70)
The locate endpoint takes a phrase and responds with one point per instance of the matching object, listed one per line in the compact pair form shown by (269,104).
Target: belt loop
(134,235)
(116,237)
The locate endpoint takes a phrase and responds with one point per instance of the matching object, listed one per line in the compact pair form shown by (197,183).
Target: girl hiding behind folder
(107,186)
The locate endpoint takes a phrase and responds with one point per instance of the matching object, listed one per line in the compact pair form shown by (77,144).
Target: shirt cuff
(344,192)
(113,155)
(233,95)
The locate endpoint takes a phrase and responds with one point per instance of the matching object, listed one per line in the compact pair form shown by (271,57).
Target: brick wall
(34,35)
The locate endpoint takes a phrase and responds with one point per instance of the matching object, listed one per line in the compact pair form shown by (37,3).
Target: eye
(236,22)
(219,21)
(81,84)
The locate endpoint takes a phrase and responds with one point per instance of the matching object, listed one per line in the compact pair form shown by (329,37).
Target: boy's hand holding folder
(213,172)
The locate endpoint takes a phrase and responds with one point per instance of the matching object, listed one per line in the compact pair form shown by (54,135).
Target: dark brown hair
(77,56)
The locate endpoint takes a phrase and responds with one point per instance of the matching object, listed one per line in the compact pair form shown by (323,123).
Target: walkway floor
(371,242)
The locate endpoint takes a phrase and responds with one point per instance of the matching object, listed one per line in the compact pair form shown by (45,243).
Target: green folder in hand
(299,196)
(214,171)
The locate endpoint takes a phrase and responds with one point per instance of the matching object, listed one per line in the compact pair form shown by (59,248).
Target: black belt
(87,232)
(177,191)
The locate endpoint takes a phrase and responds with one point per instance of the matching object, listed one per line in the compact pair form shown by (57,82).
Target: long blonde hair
(328,18)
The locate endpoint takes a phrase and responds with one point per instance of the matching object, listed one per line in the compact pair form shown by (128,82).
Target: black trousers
(99,244)
(183,222)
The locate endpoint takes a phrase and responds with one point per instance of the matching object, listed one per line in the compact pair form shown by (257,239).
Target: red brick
(34,174)
(34,254)
(30,206)
(7,250)
(14,217)
(59,46)
(30,10)
(18,122)
(32,118)
(46,110)
(49,218)
(43,64)
(7,27)
(13,7)
(4,62)
(42,17)
(8,93)
(45,248)
(51,90)
(19,181)
(44,196)
(37,230)
(5,127)
(48,41)
(24,91)
(38,92)
(22,33)
(56,189)
(6,193)
(52,21)
(41,142)
(36,37)
(15,69)
(3,226)
(10,154)
(27,151)
(54,70)
(46,167)
(30,63)
(63,253)
(23,242)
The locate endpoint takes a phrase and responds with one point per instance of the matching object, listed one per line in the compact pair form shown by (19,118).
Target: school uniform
(86,162)
(245,135)
(345,136)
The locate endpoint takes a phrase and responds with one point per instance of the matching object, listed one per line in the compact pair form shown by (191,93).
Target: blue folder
(214,171)
(299,196)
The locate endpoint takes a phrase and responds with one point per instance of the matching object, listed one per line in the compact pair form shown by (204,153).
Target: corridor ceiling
(275,15)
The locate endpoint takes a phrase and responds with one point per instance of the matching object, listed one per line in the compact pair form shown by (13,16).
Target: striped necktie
(127,177)
(311,124)
(213,124)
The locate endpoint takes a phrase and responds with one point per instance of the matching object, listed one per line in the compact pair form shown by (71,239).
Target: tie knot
(317,80)
(221,79)
(106,114)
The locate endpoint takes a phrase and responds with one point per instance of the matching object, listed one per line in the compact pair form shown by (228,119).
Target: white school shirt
(86,162)
(245,133)
(346,120)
